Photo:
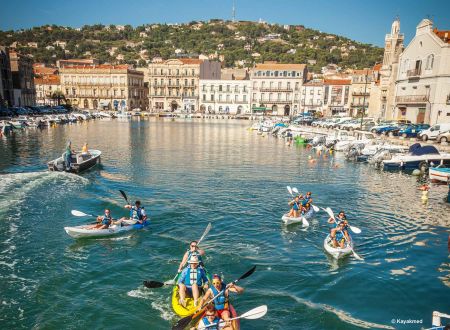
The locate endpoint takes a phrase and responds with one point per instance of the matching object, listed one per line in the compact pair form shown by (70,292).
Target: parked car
(443,137)
(382,124)
(5,112)
(303,120)
(412,130)
(337,121)
(385,129)
(432,132)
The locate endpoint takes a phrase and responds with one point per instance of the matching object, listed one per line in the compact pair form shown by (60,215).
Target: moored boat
(439,174)
(337,253)
(85,231)
(80,162)
(418,158)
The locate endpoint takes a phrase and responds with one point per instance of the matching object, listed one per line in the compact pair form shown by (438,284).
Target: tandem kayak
(337,253)
(179,309)
(85,231)
(235,323)
(287,220)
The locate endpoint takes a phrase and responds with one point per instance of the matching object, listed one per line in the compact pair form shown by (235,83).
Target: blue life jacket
(136,213)
(195,253)
(221,300)
(106,220)
(216,322)
(200,277)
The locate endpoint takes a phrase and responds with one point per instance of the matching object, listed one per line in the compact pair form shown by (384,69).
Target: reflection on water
(192,172)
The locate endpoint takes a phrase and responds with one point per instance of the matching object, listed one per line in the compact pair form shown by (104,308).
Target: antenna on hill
(233,11)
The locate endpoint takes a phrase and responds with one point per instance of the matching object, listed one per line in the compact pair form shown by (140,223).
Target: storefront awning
(260,109)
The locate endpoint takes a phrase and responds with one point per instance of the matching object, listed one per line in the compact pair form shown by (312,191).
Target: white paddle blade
(295,190)
(208,228)
(315,208)
(305,222)
(169,282)
(255,313)
(357,256)
(78,213)
(330,212)
(289,189)
(356,230)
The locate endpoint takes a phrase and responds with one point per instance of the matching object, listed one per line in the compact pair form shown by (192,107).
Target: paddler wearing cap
(191,280)
(194,250)
(221,301)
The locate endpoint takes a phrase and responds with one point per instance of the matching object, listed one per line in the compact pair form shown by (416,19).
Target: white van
(434,131)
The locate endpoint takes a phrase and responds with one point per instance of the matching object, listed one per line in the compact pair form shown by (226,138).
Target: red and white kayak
(441,174)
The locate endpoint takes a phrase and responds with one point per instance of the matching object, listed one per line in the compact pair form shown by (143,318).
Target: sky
(364,21)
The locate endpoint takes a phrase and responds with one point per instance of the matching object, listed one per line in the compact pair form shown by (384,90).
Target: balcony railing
(275,89)
(359,104)
(413,73)
(360,93)
(414,99)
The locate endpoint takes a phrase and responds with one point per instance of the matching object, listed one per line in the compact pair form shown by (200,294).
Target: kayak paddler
(221,301)
(104,221)
(191,280)
(340,235)
(307,200)
(137,214)
(294,212)
(210,320)
(194,250)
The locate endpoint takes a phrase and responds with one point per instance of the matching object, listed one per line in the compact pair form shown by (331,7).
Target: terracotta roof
(78,60)
(99,66)
(444,35)
(190,60)
(279,66)
(337,82)
(41,70)
(47,80)
(377,67)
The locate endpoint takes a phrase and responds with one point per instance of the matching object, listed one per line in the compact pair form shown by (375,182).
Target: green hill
(235,41)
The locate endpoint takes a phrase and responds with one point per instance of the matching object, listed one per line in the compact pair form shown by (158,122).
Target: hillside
(240,43)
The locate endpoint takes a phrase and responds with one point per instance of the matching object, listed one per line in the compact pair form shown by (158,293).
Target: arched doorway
(239,110)
(287,110)
(173,106)
(95,104)
(220,109)
(202,108)
(274,109)
(209,109)
(86,104)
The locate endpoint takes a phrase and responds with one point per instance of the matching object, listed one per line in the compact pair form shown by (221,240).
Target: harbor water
(188,173)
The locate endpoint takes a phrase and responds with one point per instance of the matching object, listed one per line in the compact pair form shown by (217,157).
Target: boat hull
(439,174)
(291,220)
(85,232)
(337,253)
(58,164)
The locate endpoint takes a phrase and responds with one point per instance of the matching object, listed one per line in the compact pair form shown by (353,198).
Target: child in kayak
(294,212)
(222,291)
(104,220)
(210,320)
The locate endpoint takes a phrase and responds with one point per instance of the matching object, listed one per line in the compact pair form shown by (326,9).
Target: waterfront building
(276,87)
(118,87)
(24,93)
(393,47)
(174,83)
(312,96)
(48,89)
(76,62)
(336,97)
(225,96)
(422,91)
(6,85)
(375,93)
(360,92)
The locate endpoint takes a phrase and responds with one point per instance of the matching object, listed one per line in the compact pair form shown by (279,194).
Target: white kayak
(85,231)
(287,220)
(337,253)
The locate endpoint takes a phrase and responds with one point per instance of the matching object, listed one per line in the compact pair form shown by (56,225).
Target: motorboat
(361,138)
(418,157)
(80,162)
(439,174)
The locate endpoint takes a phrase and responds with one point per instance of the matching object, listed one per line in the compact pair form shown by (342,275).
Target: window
(204,97)
(244,98)
(212,97)
(288,85)
(220,88)
(236,98)
(430,62)
(236,89)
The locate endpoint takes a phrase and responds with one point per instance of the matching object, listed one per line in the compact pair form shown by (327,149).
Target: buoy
(416,172)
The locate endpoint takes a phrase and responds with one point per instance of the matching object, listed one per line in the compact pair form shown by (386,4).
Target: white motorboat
(418,157)
(123,115)
(79,162)
(362,139)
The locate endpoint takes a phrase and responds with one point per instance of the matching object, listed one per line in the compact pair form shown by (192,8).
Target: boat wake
(160,303)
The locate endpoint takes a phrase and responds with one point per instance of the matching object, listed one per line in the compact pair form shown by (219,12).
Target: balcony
(275,101)
(360,93)
(411,99)
(275,89)
(359,105)
(413,73)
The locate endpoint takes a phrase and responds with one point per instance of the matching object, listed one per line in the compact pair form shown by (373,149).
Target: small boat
(418,158)
(123,115)
(436,321)
(80,162)
(337,253)
(179,309)
(439,174)
(16,124)
(85,231)
(291,220)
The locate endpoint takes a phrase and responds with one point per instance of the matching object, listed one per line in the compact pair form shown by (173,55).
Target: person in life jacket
(341,235)
(191,280)
(104,221)
(307,200)
(294,212)
(137,214)
(221,292)
(194,250)
(210,320)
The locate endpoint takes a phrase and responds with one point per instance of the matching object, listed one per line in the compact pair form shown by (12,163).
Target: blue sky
(364,21)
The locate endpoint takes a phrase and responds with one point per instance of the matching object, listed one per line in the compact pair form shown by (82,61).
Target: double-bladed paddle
(315,208)
(124,196)
(181,324)
(81,214)
(253,314)
(331,214)
(156,284)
